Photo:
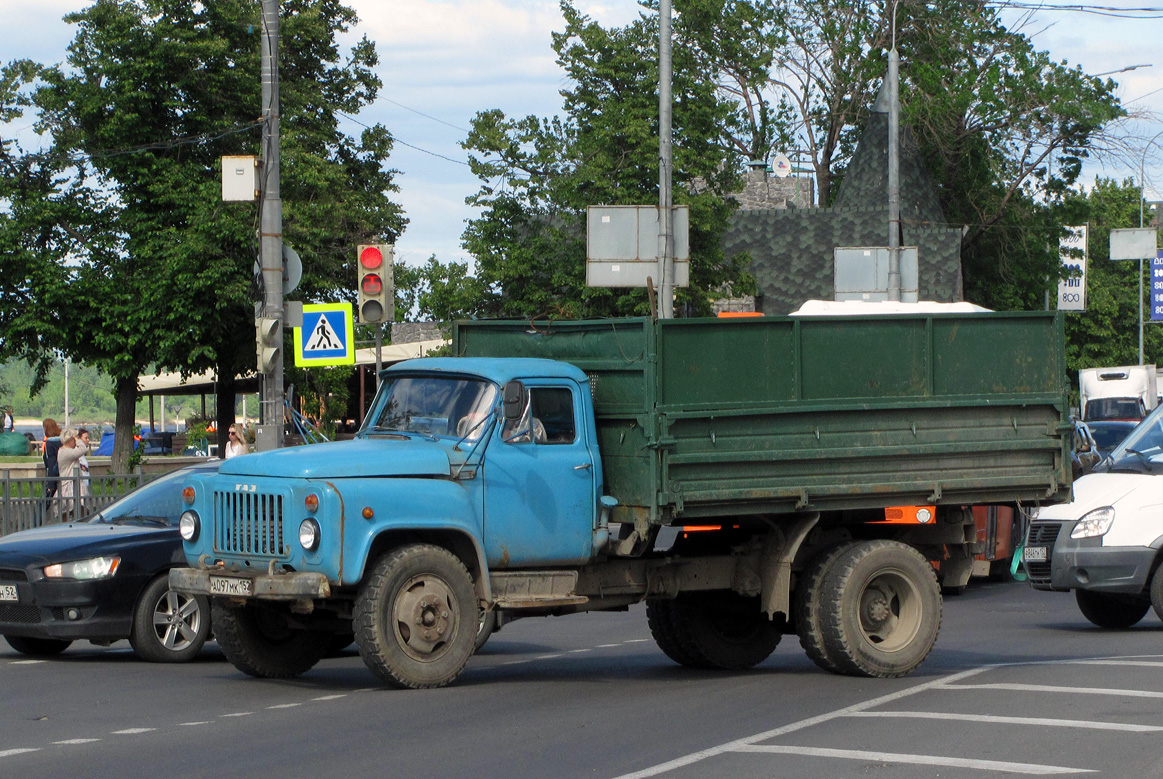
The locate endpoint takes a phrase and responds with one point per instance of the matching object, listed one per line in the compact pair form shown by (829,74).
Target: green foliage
(539,175)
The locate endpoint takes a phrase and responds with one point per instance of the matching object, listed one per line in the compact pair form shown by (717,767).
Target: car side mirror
(514,398)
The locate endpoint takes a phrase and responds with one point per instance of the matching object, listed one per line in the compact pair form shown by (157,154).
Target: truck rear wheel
(416,618)
(1113,611)
(260,641)
(880,609)
(807,605)
(660,618)
(722,630)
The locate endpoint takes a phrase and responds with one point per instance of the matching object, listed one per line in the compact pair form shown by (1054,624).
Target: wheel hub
(423,616)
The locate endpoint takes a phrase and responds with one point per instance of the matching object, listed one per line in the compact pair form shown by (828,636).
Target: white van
(1105,545)
(1125,392)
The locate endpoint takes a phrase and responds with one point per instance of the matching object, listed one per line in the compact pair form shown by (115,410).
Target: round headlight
(188,525)
(309,535)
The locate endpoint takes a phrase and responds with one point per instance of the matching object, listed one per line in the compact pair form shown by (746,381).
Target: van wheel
(169,627)
(1112,611)
(262,642)
(880,609)
(721,629)
(416,618)
(1157,592)
(37,647)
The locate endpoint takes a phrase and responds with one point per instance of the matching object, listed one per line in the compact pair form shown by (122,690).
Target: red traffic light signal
(374,268)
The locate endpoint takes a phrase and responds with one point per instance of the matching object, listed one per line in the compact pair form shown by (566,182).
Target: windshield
(1144,444)
(161,499)
(1108,437)
(1113,408)
(432,405)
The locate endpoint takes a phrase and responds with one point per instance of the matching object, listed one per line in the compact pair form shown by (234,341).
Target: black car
(104,579)
(1109,434)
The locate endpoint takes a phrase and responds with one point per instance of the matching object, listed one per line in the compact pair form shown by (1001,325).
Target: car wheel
(1111,610)
(1157,592)
(168,626)
(37,647)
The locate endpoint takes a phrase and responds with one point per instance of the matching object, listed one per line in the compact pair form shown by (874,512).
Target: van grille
(249,523)
(1042,534)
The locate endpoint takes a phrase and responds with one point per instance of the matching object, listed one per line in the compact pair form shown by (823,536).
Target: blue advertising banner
(1157,287)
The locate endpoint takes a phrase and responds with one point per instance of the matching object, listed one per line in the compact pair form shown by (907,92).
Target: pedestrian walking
(83,463)
(52,443)
(9,424)
(235,443)
(69,461)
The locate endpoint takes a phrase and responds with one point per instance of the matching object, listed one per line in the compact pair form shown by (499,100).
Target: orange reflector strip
(701,528)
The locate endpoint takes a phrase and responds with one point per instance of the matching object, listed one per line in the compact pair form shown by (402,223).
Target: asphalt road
(1019,684)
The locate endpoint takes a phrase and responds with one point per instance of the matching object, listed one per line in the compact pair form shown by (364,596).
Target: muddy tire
(723,630)
(807,605)
(169,627)
(880,609)
(486,626)
(37,647)
(1112,611)
(416,618)
(660,618)
(261,641)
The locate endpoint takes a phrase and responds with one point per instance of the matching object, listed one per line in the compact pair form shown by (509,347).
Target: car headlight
(309,535)
(189,525)
(95,568)
(1094,523)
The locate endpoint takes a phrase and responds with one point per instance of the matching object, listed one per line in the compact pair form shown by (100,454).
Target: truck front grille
(1042,534)
(249,523)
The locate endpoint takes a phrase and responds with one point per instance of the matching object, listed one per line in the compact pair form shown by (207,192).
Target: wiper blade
(163,521)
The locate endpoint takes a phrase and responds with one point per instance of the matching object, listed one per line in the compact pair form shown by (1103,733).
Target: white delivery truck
(1125,392)
(1107,544)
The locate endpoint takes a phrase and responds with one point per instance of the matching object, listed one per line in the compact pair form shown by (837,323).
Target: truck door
(540,501)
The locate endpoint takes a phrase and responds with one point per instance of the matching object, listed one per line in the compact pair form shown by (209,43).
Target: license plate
(1034,554)
(223,586)
(8,592)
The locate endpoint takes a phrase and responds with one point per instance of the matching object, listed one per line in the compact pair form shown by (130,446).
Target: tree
(154,93)
(539,175)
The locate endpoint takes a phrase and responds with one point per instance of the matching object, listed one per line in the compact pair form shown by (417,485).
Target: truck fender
(779,550)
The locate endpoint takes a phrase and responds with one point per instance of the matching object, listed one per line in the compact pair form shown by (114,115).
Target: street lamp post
(1142,200)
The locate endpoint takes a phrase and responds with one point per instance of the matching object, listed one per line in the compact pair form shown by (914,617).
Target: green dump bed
(719,417)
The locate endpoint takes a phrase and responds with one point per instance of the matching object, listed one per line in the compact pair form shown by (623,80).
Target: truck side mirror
(514,398)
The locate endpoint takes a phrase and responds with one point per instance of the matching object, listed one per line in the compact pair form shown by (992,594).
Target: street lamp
(1122,70)
(1142,198)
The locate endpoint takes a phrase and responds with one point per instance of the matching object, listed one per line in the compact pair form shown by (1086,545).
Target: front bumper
(287,586)
(1084,564)
(97,610)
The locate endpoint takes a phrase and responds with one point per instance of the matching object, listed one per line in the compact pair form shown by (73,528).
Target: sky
(442,61)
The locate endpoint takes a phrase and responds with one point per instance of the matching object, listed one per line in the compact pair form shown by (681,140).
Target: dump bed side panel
(711,417)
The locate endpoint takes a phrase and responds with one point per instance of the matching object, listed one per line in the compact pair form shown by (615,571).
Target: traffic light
(269,331)
(374,269)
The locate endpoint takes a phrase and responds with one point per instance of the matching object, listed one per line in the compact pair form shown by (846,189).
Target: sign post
(1135,244)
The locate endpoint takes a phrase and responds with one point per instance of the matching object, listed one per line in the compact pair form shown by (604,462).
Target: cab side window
(549,417)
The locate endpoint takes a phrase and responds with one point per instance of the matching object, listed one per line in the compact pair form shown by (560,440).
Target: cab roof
(496,369)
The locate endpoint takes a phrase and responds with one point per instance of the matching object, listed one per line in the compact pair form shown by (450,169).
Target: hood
(1096,490)
(360,457)
(61,543)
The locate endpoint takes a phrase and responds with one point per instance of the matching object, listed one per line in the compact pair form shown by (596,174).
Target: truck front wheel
(1113,611)
(719,630)
(416,619)
(260,641)
(880,609)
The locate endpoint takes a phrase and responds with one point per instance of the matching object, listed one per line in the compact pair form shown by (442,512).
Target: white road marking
(133,731)
(579,651)
(606,646)
(239,714)
(547,657)
(989,718)
(517,662)
(895,757)
(27,662)
(637,641)
(285,706)
(69,741)
(330,697)
(734,746)
(1055,688)
(192,724)
(1133,663)
(11,752)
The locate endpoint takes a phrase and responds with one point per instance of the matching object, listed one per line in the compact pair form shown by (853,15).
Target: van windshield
(1142,447)
(432,406)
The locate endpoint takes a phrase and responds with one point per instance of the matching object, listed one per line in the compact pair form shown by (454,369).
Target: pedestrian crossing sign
(327,336)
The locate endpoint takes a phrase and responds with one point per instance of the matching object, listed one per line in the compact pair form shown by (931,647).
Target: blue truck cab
(491,462)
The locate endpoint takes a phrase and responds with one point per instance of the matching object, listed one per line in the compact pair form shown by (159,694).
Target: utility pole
(270,432)
(894,169)
(665,165)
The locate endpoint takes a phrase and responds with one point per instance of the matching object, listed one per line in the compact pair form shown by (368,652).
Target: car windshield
(1113,408)
(1108,437)
(1142,450)
(432,406)
(159,500)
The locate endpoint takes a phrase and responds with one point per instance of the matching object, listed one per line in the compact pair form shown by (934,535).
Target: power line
(404,143)
(420,113)
(1146,12)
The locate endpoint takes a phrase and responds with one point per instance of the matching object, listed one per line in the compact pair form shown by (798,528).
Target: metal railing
(28,502)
